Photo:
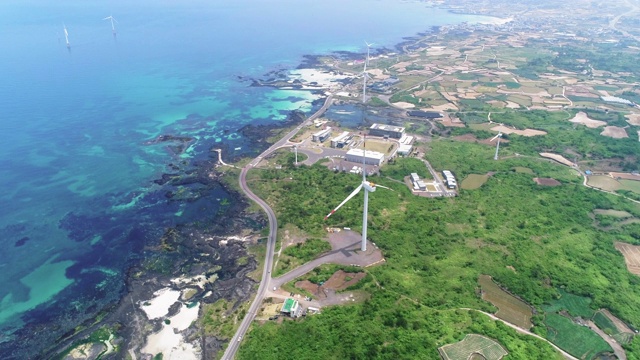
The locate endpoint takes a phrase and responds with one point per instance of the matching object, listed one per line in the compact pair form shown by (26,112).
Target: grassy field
(523,170)
(473,181)
(509,307)
(577,340)
(575,305)
(383,146)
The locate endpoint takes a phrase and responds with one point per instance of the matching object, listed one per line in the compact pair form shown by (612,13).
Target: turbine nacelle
(369,186)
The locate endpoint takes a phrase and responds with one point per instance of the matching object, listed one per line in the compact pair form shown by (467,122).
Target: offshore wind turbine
(499,136)
(368,47)
(113,27)
(368,187)
(66,36)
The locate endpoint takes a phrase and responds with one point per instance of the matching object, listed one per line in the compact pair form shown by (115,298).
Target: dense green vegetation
(308,250)
(573,304)
(400,167)
(532,240)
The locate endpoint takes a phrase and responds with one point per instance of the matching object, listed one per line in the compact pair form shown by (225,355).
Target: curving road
(234,344)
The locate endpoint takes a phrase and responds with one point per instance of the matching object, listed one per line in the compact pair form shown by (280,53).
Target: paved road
(231,350)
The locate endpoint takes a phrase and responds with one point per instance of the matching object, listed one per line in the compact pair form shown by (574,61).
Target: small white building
(404,149)
(371,158)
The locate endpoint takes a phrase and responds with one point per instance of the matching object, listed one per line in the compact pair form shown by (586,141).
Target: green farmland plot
(577,340)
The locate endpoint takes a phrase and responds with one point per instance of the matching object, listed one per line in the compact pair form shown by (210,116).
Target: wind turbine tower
(499,136)
(296,149)
(364,83)
(368,187)
(66,36)
(368,47)
(113,27)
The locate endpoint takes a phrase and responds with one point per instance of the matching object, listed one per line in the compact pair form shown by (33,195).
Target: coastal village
(466,83)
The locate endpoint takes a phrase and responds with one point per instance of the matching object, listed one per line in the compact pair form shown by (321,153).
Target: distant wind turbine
(499,136)
(368,187)
(368,47)
(113,27)
(66,36)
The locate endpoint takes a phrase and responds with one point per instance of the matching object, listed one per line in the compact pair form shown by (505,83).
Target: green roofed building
(291,307)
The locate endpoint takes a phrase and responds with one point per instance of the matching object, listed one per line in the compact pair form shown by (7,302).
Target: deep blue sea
(75,172)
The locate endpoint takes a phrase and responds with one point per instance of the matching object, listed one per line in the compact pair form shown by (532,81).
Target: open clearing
(631,255)
(473,181)
(526,132)
(383,146)
(582,118)
(510,308)
(614,213)
(608,183)
(614,132)
(547,181)
(471,345)
(556,157)
(633,119)
(523,170)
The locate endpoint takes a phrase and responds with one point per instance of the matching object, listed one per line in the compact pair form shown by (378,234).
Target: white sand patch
(526,132)
(198,280)
(159,306)
(497,21)
(559,158)
(171,344)
(236,238)
(378,73)
(322,78)
(404,105)
(633,119)
(582,118)
(614,132)
(444,107)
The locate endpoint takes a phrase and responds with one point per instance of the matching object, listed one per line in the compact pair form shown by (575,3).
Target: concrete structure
(425,114)
(404,149)
(395,132)
(417,183)
(406,140)
(291,308)
(341,140)
(372,158)
(322,135)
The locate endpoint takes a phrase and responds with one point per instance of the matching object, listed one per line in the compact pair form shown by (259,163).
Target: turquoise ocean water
(76,175)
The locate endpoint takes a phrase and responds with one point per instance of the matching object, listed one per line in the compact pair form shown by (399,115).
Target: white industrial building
(341,140)
(391,131)
(372,157)
(322,135)
(418,184)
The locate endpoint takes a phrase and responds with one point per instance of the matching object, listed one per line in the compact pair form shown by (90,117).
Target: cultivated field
(603,182)
(626,176)
(577,340)
(473,347)
(612,326)
(631,255)
(582,118)
(510,308)
(547,181)
(614,132)
(559,158)
(523,170)
(473,181)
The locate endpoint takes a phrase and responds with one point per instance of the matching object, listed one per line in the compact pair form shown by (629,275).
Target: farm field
(613,326)
(471,345)
(510,308)
(473,181)
(608,183)
(574,304)
(631,255)
(577,340)
(523,170)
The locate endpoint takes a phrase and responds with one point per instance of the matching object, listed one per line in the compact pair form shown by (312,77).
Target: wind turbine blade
(384,187)
(495,137)
(354,193)
(107,18)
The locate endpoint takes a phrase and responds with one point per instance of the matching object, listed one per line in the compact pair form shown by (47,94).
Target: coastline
(140,287)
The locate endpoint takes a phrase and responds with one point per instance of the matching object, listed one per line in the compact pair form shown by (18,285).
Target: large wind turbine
(368,187)
(368,47)
(499,136)
(113,27)
(364,83)
(66,36)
